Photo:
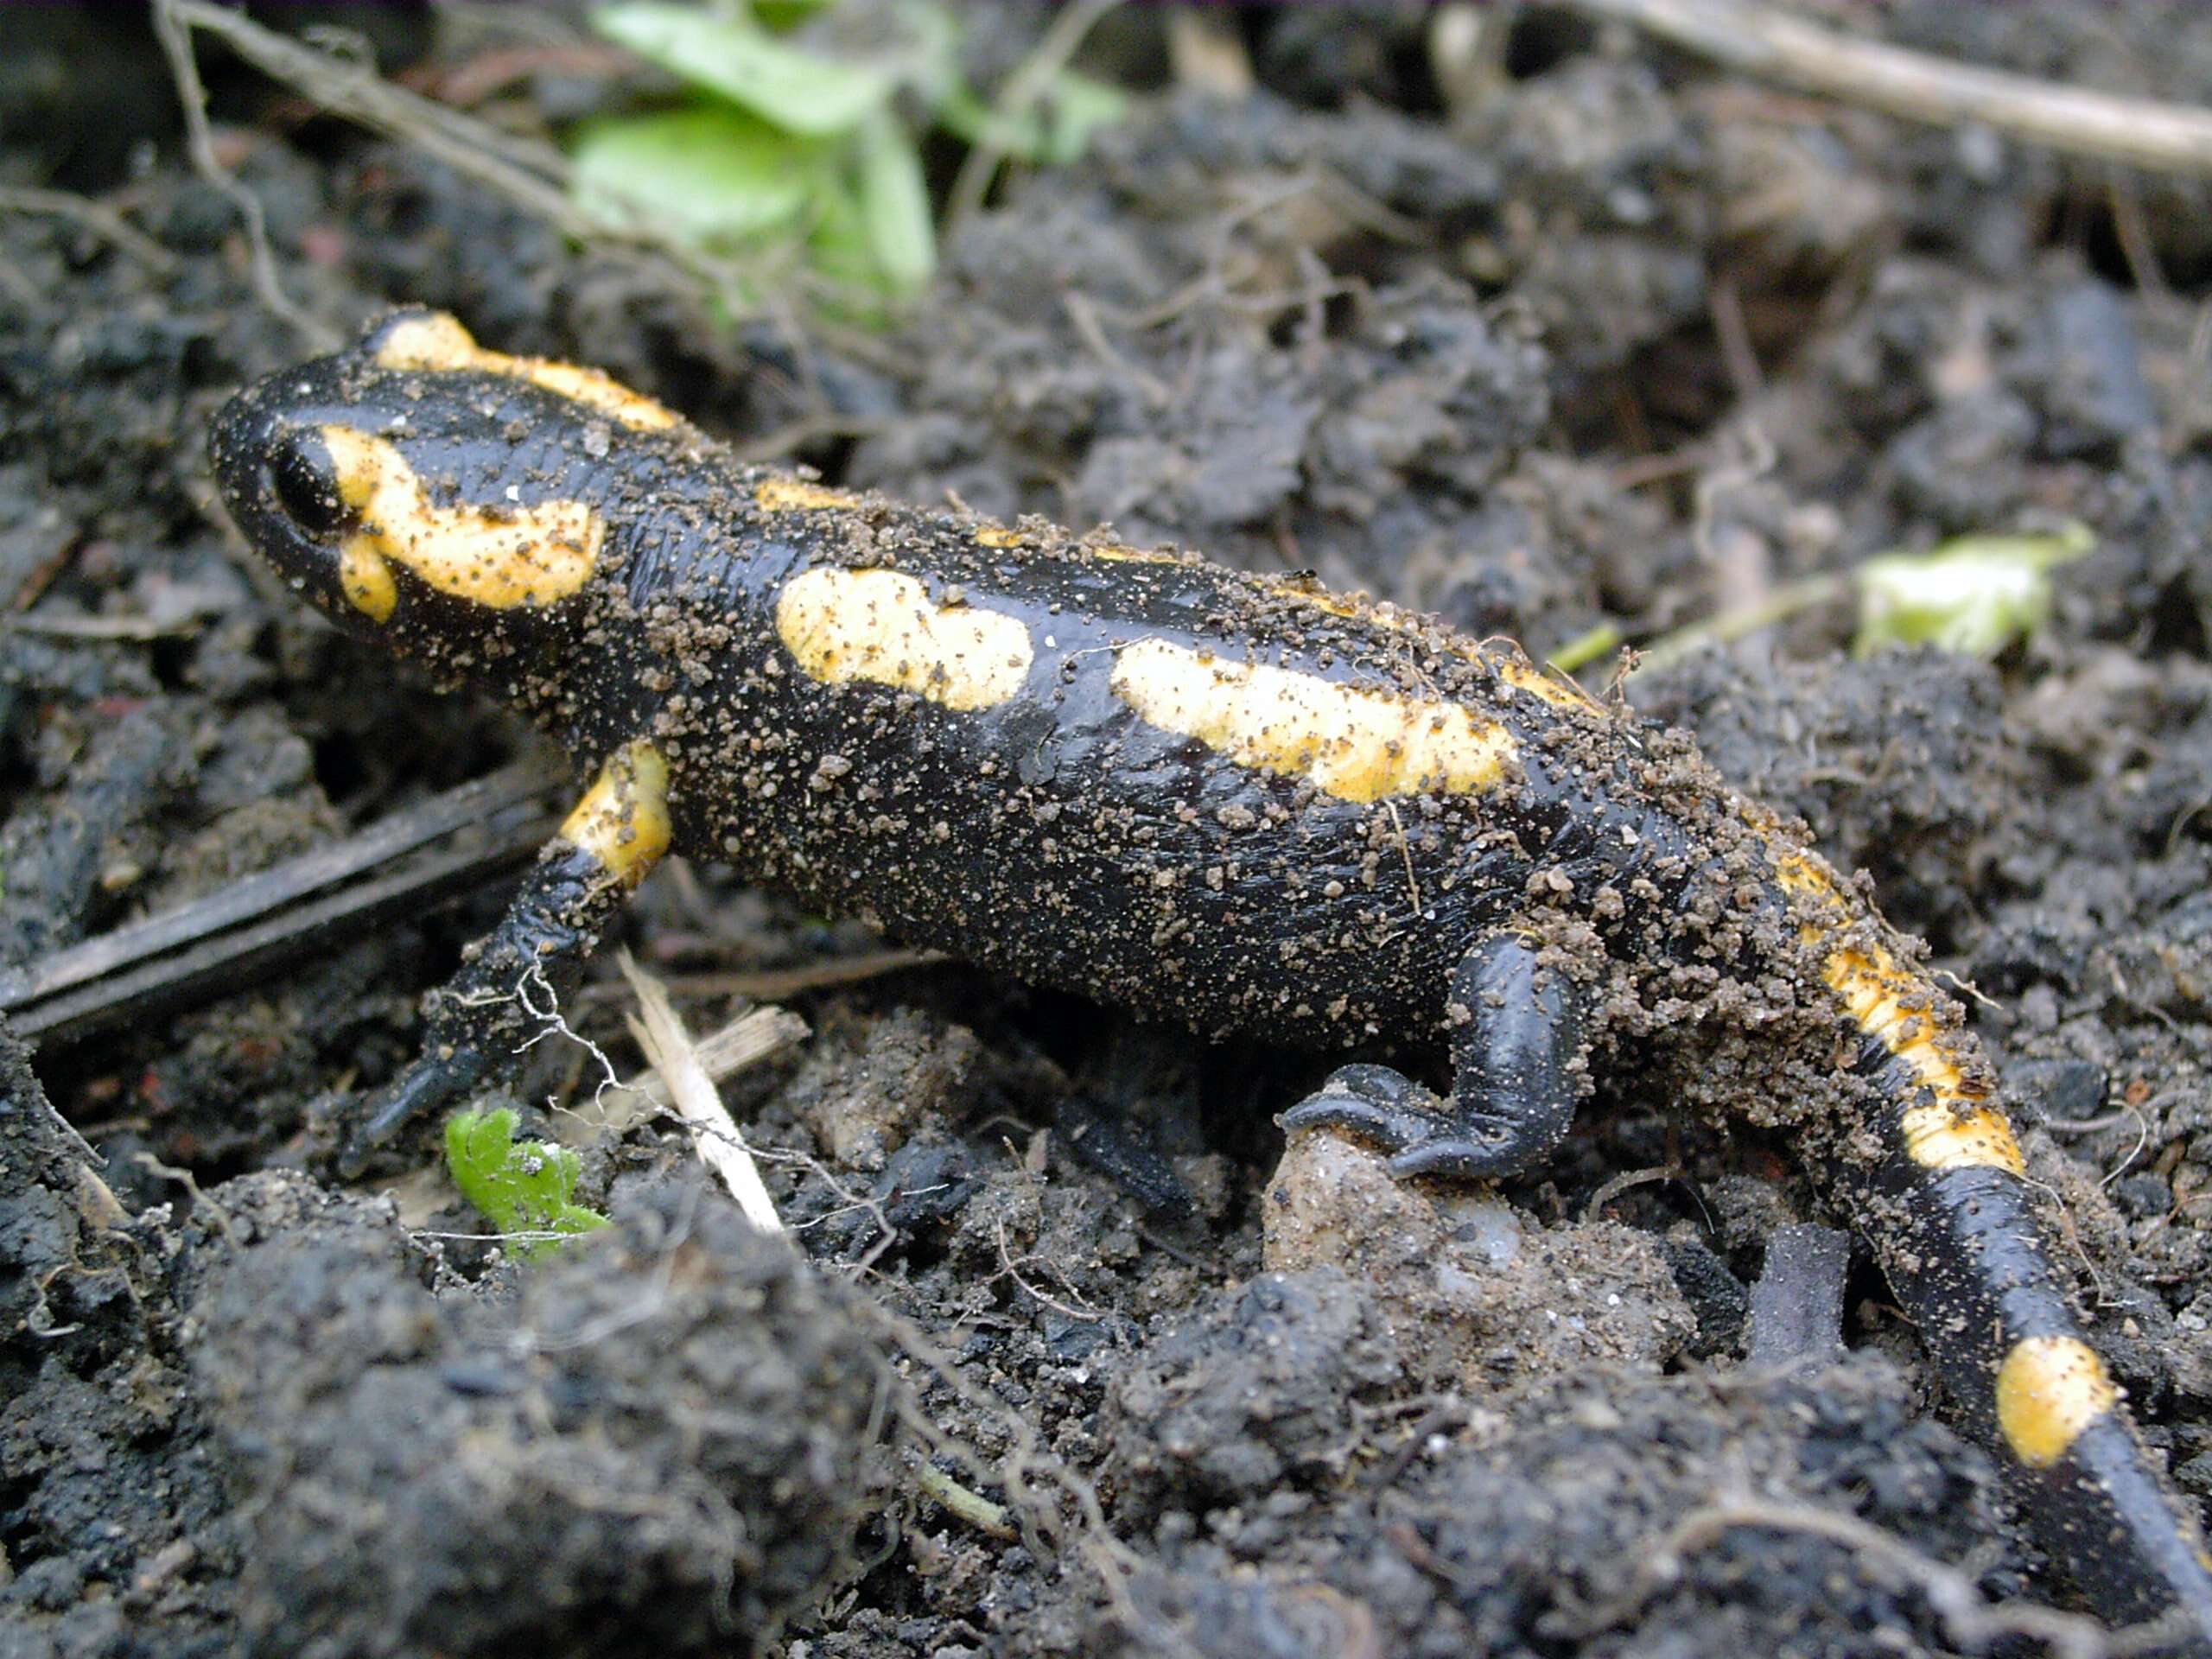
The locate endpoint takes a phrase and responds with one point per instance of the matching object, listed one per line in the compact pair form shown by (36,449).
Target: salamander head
(423,491)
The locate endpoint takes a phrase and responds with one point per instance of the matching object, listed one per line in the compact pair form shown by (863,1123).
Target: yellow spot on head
(882,627)
(2049,1389)
(365,577)
(622,820)
(997,535)
(500,558)
(1114,553)
(783,494)
(1355,744)
(437,341)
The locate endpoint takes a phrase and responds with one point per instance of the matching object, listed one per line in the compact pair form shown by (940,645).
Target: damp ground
(1586,336)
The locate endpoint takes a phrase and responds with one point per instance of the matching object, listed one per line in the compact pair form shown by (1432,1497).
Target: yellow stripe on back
(1355,744)
(882,627)
(1527,676)
(781,494)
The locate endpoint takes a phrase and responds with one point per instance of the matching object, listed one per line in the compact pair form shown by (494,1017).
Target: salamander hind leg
(1517,1052)
(499,999)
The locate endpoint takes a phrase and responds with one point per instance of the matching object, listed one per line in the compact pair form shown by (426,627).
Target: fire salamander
(1241,802)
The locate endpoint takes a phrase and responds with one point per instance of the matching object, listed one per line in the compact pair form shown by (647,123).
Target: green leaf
(968,118)
(783,15)
(523,1187)
(1056,133)
(894,206)
(839,247)
(1974,595)
(1076,106)
(709,175)
(733,56)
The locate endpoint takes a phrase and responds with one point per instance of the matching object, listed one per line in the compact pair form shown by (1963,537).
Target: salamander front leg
(1517,1055)
(497,1001)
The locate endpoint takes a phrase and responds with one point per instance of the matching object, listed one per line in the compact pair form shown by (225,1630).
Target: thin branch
(173,23)
(2143,132)
(534,177)
(660,1032)
(1023,88)
(211,946)
(1971,1619)
(95,215)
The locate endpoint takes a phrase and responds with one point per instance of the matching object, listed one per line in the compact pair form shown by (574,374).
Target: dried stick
(722,1148)
(1023,88)
(2162,137)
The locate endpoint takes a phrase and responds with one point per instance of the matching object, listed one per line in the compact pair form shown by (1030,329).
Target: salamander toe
(1416,1126)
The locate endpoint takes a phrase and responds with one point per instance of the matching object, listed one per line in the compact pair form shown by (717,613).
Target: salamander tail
(1965,1258)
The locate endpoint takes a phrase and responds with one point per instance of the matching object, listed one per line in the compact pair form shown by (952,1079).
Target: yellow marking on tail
(2049,1389)
(1958,1129)
(498,557)
(1944,1136)
(439,342)
(1355,744)
(882,627)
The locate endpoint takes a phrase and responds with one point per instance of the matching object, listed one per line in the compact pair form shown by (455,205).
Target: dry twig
(1972,1620)
(660,1032)
(2143,132)
(174,21)
(1023,88)
(98,216)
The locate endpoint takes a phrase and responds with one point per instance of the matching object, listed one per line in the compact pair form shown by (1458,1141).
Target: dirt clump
(667,1437)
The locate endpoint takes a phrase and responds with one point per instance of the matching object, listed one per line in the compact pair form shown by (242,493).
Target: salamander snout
(281,482)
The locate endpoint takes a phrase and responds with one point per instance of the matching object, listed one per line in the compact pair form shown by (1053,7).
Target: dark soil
(1601,338)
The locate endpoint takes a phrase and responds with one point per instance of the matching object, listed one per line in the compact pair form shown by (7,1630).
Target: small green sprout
(524,1187)
(1586,648)
(776,145)
(1974,594)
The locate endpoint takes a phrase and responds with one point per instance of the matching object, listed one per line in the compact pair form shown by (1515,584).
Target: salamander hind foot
(1517,1056)
(1423,1133)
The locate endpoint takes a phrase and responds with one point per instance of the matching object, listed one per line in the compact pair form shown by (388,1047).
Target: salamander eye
(306,485)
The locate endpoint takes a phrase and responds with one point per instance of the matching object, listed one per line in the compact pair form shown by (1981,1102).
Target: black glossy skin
(1150,873)
(1061,838)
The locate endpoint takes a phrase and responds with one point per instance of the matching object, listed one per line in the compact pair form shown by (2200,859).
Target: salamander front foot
(440,1077)
(508,990)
